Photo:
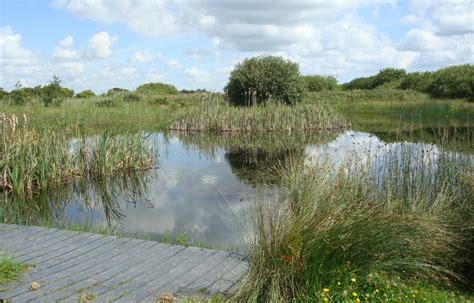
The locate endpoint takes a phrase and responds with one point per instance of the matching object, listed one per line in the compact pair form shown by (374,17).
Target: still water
(205,186)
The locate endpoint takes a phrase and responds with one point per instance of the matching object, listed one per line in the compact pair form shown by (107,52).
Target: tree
(318,83)
(259,79)
(54,93)
(453,82)
(388,75)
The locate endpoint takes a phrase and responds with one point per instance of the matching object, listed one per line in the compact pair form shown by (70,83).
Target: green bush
(417,81)
(359,83)
(453,82)
(86,94)
(131,97)
(53,94)
(3,94)
(318,83)
(388,75)
(107,102)
(157,89)
(260,79)
(116,90)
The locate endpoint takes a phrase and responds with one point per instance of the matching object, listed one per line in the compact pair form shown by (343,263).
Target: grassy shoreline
(348,236)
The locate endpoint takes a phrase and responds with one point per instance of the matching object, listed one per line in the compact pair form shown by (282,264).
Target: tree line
(259,80)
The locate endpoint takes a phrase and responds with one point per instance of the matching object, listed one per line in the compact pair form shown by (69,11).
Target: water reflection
(204,183)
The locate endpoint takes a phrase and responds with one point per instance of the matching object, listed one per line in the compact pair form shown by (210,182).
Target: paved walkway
(69,264)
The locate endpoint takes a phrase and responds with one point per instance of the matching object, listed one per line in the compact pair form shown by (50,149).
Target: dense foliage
(49,95)
(317,83)
(85,94)
(156,89)
(260,79)
(450,82)
(453,82)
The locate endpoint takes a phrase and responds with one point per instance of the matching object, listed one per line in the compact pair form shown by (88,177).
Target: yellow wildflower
(325,299)
(326,289)
(355,294)
(339,283)
(357,300)
(353,279)
(376,290)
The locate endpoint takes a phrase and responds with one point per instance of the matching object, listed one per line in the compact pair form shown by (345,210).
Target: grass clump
(9,269)
(271,117)
(33,161)
(333,228)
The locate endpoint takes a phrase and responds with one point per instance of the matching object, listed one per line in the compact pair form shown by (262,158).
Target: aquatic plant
(33,161)
(386,218)
(270,117)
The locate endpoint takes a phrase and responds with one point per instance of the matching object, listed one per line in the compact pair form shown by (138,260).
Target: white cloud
(449,17)
(173,64)
(147,17)
(197,74)
(420,40)
(100,46)
(64,50)
(73,68)
(154,76)
(145,57)
(128,71)
(11,51)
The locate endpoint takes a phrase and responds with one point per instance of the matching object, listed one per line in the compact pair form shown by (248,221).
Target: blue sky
(99,44)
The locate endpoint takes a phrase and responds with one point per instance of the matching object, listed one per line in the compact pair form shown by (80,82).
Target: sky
(100,44)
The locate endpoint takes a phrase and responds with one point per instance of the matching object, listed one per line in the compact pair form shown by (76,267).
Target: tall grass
(33,161)
(340,234)
(219,117)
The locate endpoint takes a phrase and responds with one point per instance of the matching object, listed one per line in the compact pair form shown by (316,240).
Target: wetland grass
(220,117)
(10,269)
(386,231)
(40,161)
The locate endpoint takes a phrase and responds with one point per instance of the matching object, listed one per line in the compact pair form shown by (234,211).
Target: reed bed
(388,230)
(33,161)
(216,117)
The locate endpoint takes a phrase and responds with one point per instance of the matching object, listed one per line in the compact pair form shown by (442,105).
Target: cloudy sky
(100,44)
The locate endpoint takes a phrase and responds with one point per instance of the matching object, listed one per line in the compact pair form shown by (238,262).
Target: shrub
(116,90)
(359,83)
(417,81)
(387,75)
(318,83)
(85,94)
(259,79)
(131,97)
(3,93)
(107,102)
(157,89)
(453,82)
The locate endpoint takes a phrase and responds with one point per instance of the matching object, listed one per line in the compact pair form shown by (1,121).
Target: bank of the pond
(401,231)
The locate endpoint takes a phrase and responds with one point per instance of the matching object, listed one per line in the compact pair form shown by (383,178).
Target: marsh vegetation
(361,191)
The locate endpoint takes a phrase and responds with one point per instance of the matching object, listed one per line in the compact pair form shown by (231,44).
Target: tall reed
(339,228)
(271,117)
(33,161)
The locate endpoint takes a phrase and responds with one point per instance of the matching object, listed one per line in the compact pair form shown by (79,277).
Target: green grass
(410,220)
(34,161)
(9,269)
(219,117)
(397,111)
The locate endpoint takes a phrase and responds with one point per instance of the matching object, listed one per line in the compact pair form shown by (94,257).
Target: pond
(205,185)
